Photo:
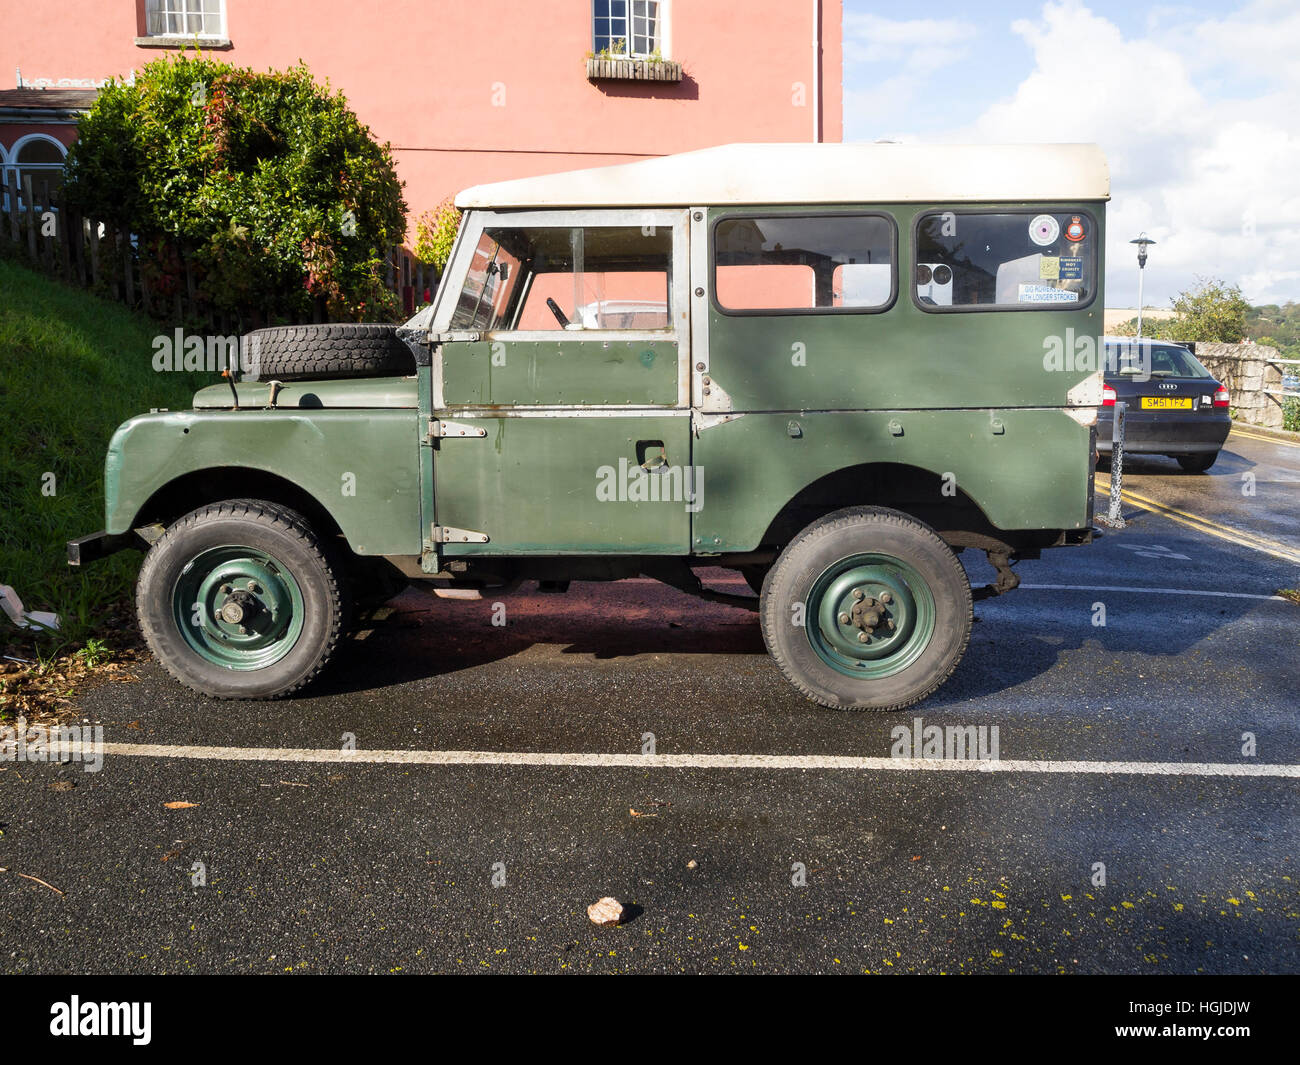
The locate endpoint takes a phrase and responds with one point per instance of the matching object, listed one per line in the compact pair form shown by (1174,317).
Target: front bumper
(1164,432)
(99,545)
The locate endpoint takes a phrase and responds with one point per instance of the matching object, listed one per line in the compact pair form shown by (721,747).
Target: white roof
(819,173)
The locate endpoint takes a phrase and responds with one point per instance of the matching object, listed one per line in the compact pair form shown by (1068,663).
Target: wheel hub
(238,607)
(870,615)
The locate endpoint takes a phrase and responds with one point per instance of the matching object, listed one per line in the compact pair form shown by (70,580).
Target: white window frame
(182,7)
(9,161)
(462,257)
(662,40)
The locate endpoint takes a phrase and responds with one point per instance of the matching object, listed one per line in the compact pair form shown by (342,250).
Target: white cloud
(901,57)
(1199,122)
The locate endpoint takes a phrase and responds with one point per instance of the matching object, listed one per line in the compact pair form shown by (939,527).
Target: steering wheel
(559,314)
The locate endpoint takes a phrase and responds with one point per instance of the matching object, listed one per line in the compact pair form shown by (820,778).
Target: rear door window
(1004,260)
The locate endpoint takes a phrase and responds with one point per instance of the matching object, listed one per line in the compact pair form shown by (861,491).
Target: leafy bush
(267,182)
(1213,311)
(1291,414)
(435,233)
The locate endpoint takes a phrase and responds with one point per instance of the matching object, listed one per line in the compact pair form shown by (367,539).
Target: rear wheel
(241,600)
(867,609)
(1197,463)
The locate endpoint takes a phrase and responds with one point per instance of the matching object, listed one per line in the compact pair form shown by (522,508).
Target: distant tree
(1213,311)
(267,182)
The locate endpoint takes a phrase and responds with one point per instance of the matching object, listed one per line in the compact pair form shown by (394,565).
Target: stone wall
(1246,373)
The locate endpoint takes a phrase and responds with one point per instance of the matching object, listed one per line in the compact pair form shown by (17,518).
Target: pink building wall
(478,91)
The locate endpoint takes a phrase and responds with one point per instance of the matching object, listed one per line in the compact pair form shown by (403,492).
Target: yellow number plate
(1165,403)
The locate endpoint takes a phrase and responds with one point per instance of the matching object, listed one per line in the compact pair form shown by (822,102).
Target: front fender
(362,466)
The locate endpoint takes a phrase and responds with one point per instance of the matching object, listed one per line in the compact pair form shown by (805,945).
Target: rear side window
(1022,260)
(790,264)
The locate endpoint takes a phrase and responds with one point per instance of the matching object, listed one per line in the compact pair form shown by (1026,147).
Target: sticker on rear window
(1049,268)
(1044,229)
(1046,294)
(1071,268)
(1074,231)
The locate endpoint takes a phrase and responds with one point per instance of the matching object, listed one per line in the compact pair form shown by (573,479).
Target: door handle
(650,456)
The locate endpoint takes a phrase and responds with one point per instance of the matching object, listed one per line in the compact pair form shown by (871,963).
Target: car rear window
(1004,260)
(1159,360)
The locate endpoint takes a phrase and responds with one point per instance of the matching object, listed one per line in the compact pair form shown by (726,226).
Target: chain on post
(1115,517)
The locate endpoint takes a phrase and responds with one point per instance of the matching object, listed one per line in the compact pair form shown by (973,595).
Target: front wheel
(241,600)
(867,609)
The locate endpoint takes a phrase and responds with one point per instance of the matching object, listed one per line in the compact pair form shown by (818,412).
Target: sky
(1196,105)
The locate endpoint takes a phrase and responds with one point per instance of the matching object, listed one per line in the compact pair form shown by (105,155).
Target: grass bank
(72,368)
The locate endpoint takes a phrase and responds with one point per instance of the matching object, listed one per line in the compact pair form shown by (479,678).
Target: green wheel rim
(237,607)
(869,616)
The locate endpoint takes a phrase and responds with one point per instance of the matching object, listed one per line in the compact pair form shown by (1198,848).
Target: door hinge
(439,429)
(446,534)
(455,337)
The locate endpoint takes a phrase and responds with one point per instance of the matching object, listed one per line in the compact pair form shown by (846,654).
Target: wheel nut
(226,589)
(890,623)
(886,598)
(859,594)
(863,638)
(845,619)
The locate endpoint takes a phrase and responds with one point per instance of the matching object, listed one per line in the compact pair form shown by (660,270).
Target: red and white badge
(1074,231)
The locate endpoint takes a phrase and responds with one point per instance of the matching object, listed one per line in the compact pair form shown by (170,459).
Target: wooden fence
(109,261)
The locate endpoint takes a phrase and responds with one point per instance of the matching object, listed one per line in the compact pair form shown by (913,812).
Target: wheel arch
(916,491)
(198,488)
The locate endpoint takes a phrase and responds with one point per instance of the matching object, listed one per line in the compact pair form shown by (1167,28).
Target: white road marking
(1148,591)
(1067,588)
(698,761)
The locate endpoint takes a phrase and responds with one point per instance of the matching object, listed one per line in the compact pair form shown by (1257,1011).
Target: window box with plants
(607,65)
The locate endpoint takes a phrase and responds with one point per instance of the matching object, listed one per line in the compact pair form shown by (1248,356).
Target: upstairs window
(205,19)
(627,28)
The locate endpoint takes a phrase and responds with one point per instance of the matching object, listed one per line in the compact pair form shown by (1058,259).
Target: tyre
(1197,463)
(866,609)
(1103,464)
(347,349)
(242,600)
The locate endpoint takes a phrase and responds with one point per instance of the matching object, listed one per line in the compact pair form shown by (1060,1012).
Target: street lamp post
(1143,242)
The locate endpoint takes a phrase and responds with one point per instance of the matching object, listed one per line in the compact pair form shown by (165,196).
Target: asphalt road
(383,866)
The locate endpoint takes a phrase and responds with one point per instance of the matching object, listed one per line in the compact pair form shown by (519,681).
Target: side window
(1022,259)
(800,263)
(568,278)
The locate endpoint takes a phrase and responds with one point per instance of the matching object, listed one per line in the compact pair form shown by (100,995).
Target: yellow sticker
(1049,268)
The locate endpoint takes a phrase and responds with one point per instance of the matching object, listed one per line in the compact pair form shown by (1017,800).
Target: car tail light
(1221,397)
(1108,396)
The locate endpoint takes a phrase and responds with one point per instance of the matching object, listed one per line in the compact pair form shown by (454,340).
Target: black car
(1175,407)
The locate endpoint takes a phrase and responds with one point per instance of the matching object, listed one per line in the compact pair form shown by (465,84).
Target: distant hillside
(1281,323)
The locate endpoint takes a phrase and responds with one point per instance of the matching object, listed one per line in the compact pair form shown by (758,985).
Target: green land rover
(831,368)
